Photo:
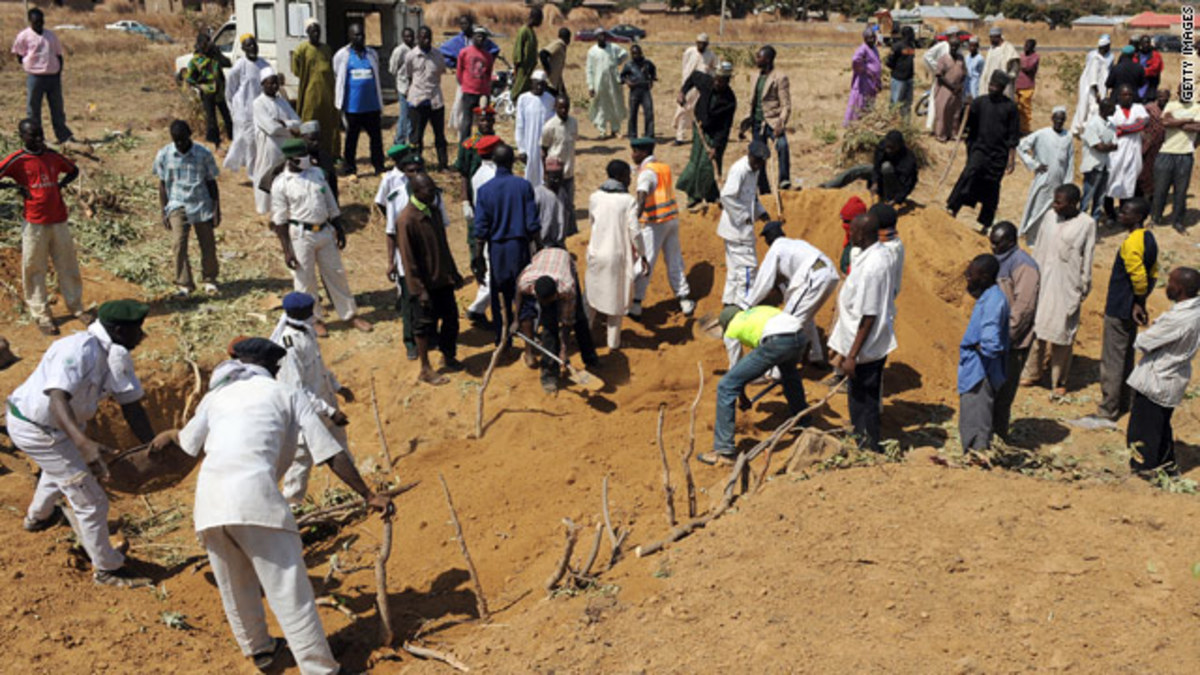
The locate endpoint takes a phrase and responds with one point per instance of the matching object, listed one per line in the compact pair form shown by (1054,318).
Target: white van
(279,28)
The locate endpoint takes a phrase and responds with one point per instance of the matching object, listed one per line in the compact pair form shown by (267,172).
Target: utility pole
(720,29)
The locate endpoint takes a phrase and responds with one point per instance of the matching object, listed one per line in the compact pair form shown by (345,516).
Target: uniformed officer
(304,369)
(47,420)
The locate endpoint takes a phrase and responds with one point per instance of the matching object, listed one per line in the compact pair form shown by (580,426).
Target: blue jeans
(403,124)
(774,350)
(902,95)
(760,133)
(49,87)
(1094,183)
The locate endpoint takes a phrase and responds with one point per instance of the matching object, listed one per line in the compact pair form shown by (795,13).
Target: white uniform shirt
(302,196)
(393,197)
(895,248)
(647,180)
(1169,345)
(740,204)
(248,431)
(795,259)
(89,367)
(485,172)
(304,368)
(781,324)
(867,291)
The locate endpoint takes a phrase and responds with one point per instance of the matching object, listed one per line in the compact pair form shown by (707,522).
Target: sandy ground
(898,566)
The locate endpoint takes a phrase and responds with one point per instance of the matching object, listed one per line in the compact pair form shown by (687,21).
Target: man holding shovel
(548,292)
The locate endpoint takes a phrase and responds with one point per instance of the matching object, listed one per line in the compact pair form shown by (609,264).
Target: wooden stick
(194,396)
(734,476)
(435,655)
(560,570)
(330,513)
(614,541)
(689,482)
(487,375)
(586,570)
(954,151)
(387,455)
(711,158)
(662,451)
(386,634)
(480,600)
(332,603)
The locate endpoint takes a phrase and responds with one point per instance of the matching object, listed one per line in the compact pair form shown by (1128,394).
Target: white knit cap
(265,73)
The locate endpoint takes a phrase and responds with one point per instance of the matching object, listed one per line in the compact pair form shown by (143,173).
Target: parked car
(590,35)
(1167,43)
(628,30)
(138,28)
(125,25)
(962,36)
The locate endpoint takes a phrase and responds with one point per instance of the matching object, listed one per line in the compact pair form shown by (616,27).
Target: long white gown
(610,258)
(1056,150)
(274,119)
(1095,72)
(532,113)
(241,88)
(1064,254)
(608,107)
(1126,161)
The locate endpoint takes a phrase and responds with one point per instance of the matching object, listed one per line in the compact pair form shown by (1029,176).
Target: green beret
(643,142)
(294,147)
(398,150)
(123,311)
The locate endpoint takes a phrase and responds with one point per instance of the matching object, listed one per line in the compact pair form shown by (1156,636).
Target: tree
(1021,10)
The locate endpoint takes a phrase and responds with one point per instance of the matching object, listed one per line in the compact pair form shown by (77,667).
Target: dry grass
(444,15)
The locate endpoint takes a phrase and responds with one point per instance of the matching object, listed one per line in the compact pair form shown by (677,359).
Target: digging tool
(765,390)
(775,187)
(579,377)
(954,151)
(707,151)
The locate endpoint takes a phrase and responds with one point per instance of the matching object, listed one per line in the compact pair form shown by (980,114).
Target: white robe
(273,121)
(1001,59)
(1095,72)
(608,107)
(1125,163)
(241,88)
(532,114)
(1056,150)
(610,258)
(931,58)
(1063,253)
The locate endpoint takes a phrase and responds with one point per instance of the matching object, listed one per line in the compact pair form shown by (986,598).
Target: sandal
(265,660)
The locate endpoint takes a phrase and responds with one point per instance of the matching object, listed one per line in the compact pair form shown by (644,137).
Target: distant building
(1099,23)
(1152,21)
(942,17)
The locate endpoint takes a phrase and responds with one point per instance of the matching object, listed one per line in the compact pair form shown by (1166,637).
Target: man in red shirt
(474,73)
(1152,63)
(40,174)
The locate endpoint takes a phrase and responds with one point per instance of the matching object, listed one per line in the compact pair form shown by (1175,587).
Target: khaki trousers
(209,267)
(318,250)
(684,116)
(246,558)
(1025,110)
(1060,363)
(41,244)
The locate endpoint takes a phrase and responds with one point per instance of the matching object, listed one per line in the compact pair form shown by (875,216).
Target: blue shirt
(506,216)
(186,176)
(984,347)
(361,96)
(974,72)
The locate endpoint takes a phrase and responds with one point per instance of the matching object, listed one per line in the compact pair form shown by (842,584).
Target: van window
(223,40)
(264,22)
(298,11)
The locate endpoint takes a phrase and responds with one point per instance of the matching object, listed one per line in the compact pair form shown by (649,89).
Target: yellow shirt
(1178,141)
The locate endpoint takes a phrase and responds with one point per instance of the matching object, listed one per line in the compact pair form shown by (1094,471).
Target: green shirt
(758,94)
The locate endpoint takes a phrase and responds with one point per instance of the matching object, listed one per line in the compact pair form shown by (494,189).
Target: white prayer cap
(264,73)
(994,31)
(1059,109)
(538,75)
(310,22)
(310,127)
(725,69)
(703,37)
(1104,40)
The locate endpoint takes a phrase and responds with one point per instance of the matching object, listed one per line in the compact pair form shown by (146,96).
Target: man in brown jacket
(770,108)
(431,276)
(1019,278)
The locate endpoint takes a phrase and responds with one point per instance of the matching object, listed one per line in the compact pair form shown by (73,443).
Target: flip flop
(264,661)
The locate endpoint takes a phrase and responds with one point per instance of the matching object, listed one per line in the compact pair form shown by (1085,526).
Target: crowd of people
(272,410)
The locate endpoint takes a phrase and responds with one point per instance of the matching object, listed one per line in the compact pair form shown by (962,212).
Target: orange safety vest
(660,206)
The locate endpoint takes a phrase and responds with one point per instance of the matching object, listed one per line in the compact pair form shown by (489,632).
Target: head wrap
(538,76)
(994,31)
(310,127)
(758,150)
(123,311)
(265,73)
(310,22)
(1059,109)
(1128,49)
(1104,40)
(245,36)
(297,300)
(703,37)
(974,40)
(259,349)
(853,208)
(772,229)
(488,109)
